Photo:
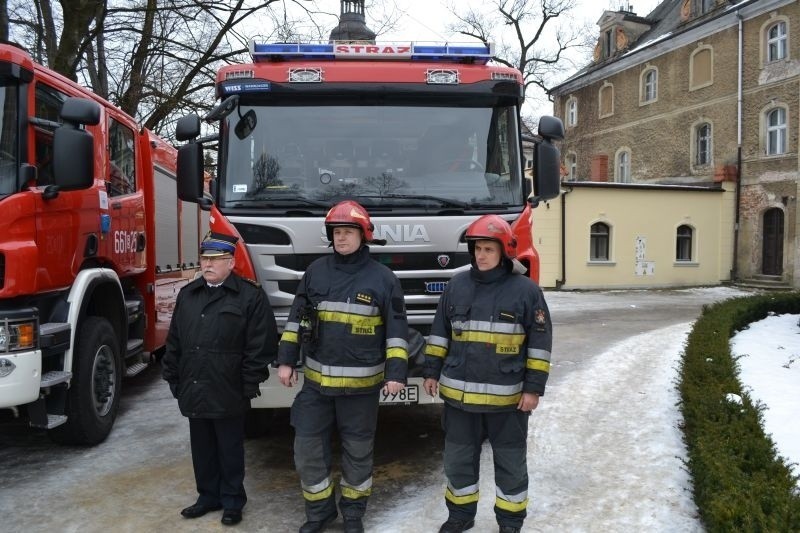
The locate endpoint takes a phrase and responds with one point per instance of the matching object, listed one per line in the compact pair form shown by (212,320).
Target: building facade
(698,92)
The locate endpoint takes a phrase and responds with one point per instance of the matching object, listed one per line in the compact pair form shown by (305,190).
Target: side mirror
(73,147)
(188,128)
(551,128)
(190,172)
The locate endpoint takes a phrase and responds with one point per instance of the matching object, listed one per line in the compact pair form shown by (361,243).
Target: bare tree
(532,36)
(158,58)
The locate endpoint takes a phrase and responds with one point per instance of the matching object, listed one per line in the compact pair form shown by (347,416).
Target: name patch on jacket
(508,349)
(363,298)
(507,316)
(362,330)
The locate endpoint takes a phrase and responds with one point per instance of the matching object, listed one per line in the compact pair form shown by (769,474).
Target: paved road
(141,476)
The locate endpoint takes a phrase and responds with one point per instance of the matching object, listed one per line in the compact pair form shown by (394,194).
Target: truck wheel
(93,395)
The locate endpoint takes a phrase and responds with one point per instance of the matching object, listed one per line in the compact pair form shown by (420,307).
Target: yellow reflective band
(354,494)
(340,382)
(435,351)
(507,349)
(511,506)
(362,330)
(477,398)
(490,338)
(289,336)
(396,353)
(538,364)
(461,500)
(321,495)
(349,318)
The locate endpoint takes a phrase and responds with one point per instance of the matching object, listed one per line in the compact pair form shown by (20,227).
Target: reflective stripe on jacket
(490,340)
(361,331)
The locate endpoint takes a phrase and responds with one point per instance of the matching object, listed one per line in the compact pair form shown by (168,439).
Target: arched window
(776,41)
(701,68)
(599,239)
(683,243)
(649,90)
(776,131)
(572,165)
(606,97)
(703,144)
(622,168)
(572,111)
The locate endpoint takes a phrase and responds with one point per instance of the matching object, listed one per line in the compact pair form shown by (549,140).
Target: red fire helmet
(349,213)
(493,228)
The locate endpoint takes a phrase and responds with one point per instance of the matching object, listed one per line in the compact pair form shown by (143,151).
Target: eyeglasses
(215,258)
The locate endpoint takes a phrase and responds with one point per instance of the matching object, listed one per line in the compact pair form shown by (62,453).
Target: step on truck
(426,137)
(94,245)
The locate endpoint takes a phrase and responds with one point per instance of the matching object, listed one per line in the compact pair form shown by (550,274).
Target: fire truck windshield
(393,156)
(8,140)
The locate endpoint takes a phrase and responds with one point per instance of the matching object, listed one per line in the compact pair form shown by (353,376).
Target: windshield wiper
(270,201)
(445,202)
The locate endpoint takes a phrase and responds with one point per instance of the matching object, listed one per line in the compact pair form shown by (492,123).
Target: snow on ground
(605,451)
(769,369)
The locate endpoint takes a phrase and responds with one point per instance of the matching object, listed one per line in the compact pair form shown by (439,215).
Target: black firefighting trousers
(314,417)
(507,433)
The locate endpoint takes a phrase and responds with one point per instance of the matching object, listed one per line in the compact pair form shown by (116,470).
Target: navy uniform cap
(216,244)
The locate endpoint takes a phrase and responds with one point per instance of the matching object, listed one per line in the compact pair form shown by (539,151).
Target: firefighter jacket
(490,340)
(220,344)
(349,317)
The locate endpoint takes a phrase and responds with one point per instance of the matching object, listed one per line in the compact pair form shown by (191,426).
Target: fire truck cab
(79,307)
(426,137)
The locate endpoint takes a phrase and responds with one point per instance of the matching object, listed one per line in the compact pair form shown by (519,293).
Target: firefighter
(349,319)
(221,340)
(488,357)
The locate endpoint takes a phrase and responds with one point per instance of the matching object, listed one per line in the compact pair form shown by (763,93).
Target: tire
(94,392)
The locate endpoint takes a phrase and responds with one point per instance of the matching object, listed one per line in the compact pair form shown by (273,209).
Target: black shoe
(456,526)
(509,529)
(197,510)
(231,517)
(317,526)
(353,525)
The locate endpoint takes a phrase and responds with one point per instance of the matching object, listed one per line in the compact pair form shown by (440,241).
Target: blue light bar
(446,52)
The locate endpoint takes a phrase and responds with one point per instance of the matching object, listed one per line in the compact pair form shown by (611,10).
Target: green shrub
(740,483)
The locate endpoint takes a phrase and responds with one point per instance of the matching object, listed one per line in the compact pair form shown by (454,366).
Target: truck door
(124,242)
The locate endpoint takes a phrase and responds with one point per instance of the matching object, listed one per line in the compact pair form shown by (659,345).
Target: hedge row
(740,483)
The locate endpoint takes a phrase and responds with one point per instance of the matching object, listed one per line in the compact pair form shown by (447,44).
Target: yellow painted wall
(650,215)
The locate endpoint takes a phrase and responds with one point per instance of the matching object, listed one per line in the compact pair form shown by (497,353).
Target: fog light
(6,367)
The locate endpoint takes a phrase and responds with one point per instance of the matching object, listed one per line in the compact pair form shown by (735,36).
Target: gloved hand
(173,388)
(251,391)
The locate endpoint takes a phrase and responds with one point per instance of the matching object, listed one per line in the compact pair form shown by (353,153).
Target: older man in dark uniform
(221,340)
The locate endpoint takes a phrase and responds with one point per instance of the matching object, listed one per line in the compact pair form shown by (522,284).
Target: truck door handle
(116,205)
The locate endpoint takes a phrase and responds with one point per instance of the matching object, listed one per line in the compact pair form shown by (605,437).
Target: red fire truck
(90,254)
(426,137)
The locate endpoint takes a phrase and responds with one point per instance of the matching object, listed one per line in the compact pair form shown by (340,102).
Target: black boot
(317,526)
(456,526)
(353,525)
(509,529)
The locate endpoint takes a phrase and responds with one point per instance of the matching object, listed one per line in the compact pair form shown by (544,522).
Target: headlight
(6,367)
(17,335)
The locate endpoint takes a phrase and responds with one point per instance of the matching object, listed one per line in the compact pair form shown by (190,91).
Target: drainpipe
(560,282)
(737,209)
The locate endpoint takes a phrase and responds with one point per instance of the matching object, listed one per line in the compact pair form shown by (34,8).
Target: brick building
(695,93)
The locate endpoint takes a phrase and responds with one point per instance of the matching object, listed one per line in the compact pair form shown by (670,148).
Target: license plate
(409,394)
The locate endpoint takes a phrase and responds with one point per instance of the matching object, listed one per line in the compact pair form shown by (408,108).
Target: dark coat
(220,343)
(362,330)
(490,341)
